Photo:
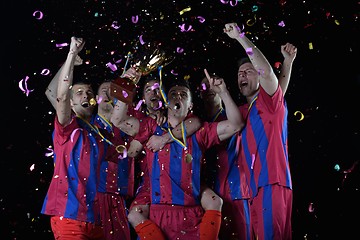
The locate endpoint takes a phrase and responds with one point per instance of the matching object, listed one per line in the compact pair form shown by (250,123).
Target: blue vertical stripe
(73,180)
(91,181)
(268,213)
(175,165)
(196,167)
(234,176)
(155,180)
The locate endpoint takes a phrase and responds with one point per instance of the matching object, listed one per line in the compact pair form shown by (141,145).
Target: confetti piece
(50,153)
(301,115)
(182,28)
(123,155)
(39,13)
(201,19)
(138,105)
(277,64)
(160,105)
(281,24)
(179,50)
(32,167)
(115,25)
(45,72)
(185,10)
(337,167)
(311,46)
(125,94)
(73,133)
(311,207)
(135,19)
(203,85)
(113,67)
(249,51)
(59,45)
(23,86)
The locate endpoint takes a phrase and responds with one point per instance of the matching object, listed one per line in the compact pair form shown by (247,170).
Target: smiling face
(82,96)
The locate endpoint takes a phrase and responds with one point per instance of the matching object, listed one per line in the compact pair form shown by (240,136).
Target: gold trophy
(124,88)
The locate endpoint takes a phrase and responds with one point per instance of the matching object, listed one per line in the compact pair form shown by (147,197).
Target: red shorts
(235,222)
(113,215)
(177,222)
(66,228)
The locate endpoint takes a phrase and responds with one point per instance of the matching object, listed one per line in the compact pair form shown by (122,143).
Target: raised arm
(51,89)
(234,122)
(268,79)
(289,52)
(120,118)
(63,106)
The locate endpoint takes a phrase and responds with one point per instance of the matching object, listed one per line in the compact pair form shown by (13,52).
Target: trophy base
(123,90)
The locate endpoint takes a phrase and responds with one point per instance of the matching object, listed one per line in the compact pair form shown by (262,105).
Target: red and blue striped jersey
(226,174)
(116,175)
(264,141)
(78,150)
(173,180)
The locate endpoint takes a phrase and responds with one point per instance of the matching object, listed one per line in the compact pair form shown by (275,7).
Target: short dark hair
(243,60)
(178,82)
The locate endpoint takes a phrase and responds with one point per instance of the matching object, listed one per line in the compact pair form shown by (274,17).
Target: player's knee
(137,215)
(212,202)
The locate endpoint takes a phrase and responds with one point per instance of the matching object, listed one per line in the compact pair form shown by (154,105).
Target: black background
(324,86)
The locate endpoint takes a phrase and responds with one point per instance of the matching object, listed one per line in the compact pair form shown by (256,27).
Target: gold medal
(120,149)
(188,158)
(92,102)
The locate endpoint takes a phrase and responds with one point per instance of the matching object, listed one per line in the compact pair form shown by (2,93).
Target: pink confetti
(141,40)
(252,160)
(49,154)
(249,51)
(45,72)
(135,19)
(182,28)
(23,86)
(124,155)
(174,73)
(160,105)
(138,105)
(59,45)
(281,24)
(233,4)
(38,13)
(99,100)
(115,25)
(238,137)
(155,86)
(125,94)
(203,85)
(201,19)
(179,50)
(73,133)
(113,67)
(311,207)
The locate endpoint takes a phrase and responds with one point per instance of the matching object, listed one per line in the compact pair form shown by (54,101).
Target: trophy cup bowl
(124,88)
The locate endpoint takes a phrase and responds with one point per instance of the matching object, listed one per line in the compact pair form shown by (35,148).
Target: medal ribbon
(183,134)
(217,114)
(96,130)
(162,92)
